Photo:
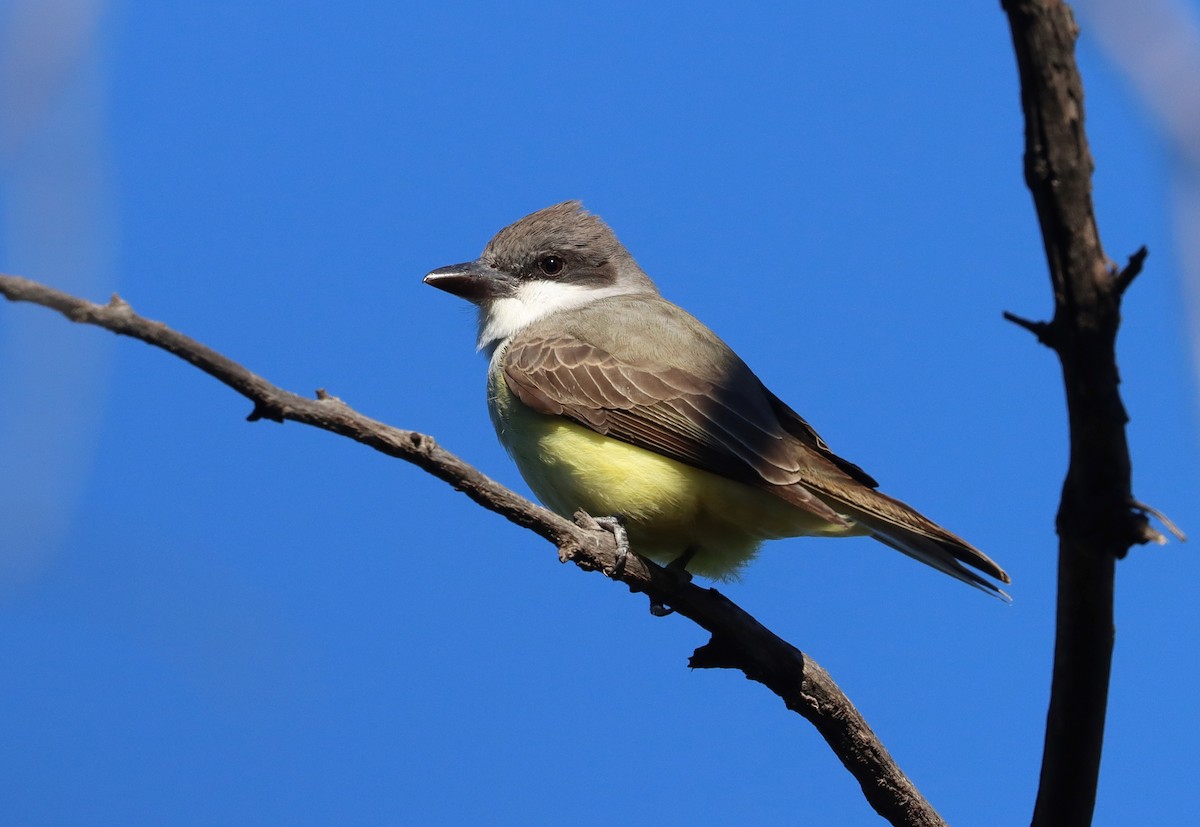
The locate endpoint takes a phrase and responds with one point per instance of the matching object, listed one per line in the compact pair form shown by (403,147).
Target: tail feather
(943,557)
(903,528)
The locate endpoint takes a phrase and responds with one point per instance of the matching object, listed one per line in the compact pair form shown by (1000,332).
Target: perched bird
(613,400)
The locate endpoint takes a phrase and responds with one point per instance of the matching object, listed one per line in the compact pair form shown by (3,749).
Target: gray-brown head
(553,259)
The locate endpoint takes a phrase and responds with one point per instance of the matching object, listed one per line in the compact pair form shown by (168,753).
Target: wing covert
(727,425)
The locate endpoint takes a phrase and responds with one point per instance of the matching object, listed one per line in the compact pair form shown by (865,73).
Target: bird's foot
(621,537)
(679,567)
(679,564)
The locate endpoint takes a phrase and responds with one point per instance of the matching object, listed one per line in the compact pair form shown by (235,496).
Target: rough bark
(1098,518)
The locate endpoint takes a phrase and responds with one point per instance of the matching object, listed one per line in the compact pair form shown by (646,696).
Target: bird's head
(555,259)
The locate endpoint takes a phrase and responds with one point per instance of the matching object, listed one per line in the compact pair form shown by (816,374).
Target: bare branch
(1130,271)
(738,640)
(1098,519)
(1043,330)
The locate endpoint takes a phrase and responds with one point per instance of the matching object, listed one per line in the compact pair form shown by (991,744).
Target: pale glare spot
(1157,44)
(55,226)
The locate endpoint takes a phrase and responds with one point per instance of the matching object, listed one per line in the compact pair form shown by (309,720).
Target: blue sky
(204,620)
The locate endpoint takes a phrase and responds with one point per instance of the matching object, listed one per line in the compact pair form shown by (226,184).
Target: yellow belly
(668,507)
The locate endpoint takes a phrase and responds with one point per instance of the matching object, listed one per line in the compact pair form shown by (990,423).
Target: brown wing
(732,425)
(728,426)
(795,425)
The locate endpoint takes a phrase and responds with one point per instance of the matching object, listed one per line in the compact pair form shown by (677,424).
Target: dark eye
(550,265)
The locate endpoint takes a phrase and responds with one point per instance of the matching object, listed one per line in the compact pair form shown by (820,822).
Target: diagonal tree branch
(738,641)
(1098,518)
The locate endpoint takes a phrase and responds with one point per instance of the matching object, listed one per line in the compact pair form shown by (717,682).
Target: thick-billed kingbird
(613,400)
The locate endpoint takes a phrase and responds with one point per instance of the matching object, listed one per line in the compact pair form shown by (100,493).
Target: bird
(614,401)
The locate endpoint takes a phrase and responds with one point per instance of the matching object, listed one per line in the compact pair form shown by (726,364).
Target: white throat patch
(534,300)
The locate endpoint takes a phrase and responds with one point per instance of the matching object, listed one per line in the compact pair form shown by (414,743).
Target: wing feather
(703,423)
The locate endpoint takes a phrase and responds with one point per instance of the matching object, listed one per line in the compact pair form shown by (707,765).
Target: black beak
(472,280)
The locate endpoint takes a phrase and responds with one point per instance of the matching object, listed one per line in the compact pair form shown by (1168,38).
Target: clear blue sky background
(207,621)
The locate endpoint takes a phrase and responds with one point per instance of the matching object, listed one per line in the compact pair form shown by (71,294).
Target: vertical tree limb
(1098,519)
